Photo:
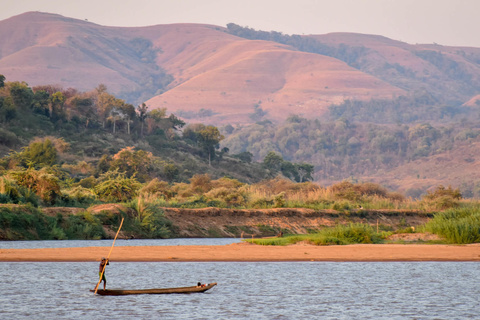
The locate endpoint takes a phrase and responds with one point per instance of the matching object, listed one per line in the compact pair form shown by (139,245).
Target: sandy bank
(247,252)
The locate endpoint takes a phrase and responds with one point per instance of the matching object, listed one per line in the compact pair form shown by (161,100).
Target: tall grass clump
(338,235)
(347,234)
(456,225)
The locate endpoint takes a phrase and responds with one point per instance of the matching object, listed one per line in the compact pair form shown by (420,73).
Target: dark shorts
(102,276)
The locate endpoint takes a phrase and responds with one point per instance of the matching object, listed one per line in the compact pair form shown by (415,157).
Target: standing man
(101,272)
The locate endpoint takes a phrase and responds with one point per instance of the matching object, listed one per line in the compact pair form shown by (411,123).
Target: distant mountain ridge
(208,74)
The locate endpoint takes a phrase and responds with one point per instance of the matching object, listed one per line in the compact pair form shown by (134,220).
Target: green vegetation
(344,149)
(338,235)
(454,226)
(64,148)
(457,225)
(20,222)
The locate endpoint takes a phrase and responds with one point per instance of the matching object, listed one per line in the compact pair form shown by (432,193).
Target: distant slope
(240,75)
(203,66)
(42,48)
(205,73)
(450,73)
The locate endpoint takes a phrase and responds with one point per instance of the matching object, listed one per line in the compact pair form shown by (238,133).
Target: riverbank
(249,253)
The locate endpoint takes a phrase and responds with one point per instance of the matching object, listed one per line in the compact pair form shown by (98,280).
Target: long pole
(103,270)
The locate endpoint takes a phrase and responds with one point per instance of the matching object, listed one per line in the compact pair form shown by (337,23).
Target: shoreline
(243,252)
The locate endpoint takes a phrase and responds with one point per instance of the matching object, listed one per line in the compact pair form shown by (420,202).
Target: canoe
(194,289)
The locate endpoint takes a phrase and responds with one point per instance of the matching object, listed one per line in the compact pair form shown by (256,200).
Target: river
(245,290)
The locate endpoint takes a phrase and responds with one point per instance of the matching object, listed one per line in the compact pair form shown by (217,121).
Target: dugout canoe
(117,292)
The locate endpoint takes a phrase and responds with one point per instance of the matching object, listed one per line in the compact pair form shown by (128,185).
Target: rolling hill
(233,75)
(183,67)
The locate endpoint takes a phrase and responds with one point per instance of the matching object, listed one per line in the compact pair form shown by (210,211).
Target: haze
(446,22)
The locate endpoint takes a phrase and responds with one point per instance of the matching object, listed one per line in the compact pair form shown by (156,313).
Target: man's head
(103,259)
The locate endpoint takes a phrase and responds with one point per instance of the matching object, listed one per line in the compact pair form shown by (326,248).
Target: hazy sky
(446,22)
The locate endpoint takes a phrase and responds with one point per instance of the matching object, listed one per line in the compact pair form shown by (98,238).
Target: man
(103,263)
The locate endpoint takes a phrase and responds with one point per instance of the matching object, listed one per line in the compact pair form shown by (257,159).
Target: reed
(460,225)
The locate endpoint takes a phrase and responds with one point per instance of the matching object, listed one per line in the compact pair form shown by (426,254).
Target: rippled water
(118,243)
(280,290)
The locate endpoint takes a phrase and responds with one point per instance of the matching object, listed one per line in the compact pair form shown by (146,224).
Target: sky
(445,22)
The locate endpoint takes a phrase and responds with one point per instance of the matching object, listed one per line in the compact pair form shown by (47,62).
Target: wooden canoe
(194,289)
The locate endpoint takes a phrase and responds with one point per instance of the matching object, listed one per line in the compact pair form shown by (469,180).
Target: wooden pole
(103,270)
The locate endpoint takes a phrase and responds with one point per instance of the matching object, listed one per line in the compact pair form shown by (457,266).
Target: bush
(115,187)
(442,198)
(44,184)
(83,226)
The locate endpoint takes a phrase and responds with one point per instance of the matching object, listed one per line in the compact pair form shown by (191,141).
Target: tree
(273,162)
(129,114)
(244,156)
(229,129)
(142,116)
(289,170)
(305,171)
(2,80)
(156,119)
(41,100)
(105,103)
(133,163)
(82,107)
(21,94)
(57,101)
(116,114)
(176,122)
(191,132)
(171,171)
(209,138)
(8,111)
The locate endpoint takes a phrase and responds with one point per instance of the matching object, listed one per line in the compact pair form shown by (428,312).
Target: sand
(249,252)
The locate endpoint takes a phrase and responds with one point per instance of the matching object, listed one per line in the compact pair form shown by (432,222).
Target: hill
(388,111)
(183,67)
(235,75)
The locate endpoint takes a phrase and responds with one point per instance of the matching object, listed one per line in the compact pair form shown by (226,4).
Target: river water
(38,244)
(245,290)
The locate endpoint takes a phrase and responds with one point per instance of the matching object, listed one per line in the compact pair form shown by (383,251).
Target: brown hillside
(449,72)
(211,69)
(280,80)
(223,74)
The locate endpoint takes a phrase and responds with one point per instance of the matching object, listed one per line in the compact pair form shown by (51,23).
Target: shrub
(442,198)
(279,200)
(83,226)
(456,225)
(115,187)
(79,195)
(157,188)
(201,183)
(44,184)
